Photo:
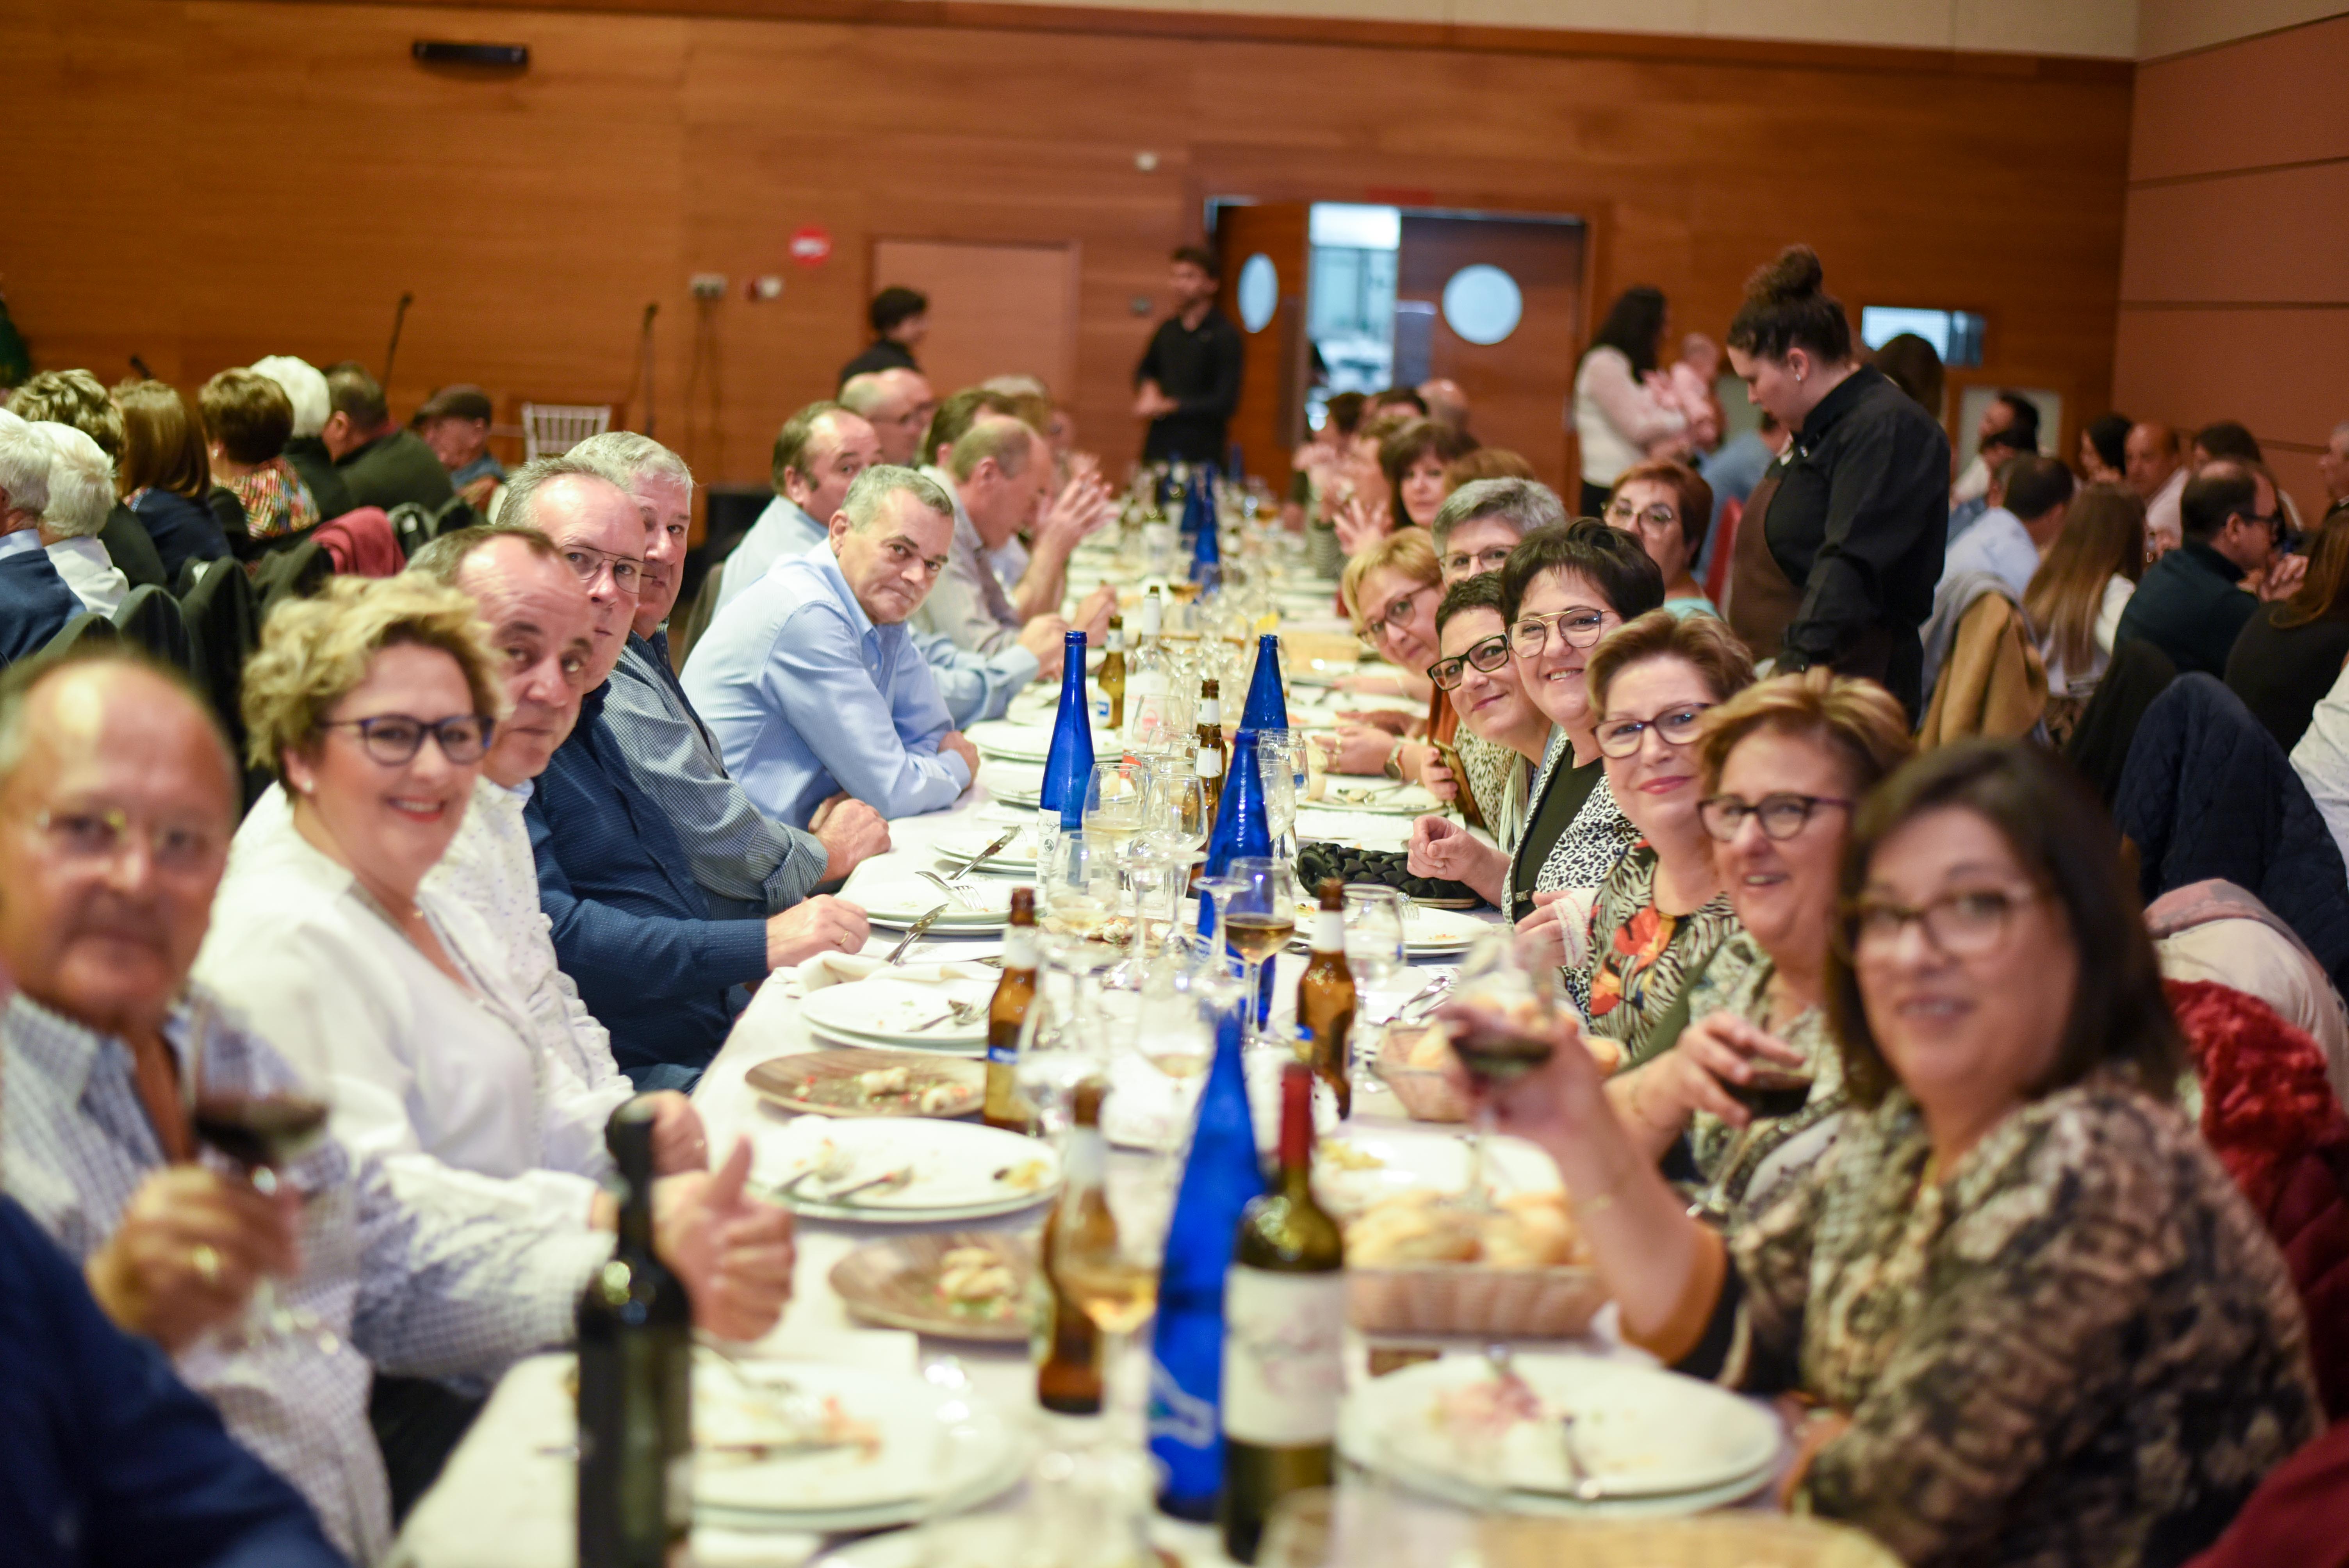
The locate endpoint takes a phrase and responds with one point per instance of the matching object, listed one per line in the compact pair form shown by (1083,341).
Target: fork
(1008,834)
(958,1012)
(897,1178)
(914,933)
(947,887)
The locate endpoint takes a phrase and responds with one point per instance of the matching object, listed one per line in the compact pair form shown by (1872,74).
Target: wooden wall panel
(240,177)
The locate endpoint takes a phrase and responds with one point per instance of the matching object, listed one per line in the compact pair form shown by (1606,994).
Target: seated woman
(2291,651)
(2037,1321)
(1564,587)
(1667,507)
(248,419)
(1502,735)
(1413,459)
(2075,598)
(166,477)
(1785,763)
(376,701)
(1663,909)
(1391,590)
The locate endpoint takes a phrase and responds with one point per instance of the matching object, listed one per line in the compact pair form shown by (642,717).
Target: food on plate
(1348,1156)
(1028,1175)
(1523,1231)
(881,1081)
(977,1282)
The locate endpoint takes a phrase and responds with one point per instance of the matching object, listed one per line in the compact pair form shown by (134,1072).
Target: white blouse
(2081,683)
(1615,417)
(439,1081)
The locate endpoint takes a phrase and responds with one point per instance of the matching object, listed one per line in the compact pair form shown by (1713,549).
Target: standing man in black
(1189,378)
(901,317)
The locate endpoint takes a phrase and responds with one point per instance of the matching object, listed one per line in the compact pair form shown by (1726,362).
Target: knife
(912,934)
(963,869)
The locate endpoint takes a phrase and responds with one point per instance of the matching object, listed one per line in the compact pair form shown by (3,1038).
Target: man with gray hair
(306,387)
(749,865)
(82,494)
(76,398)
(898,405)
(811,681)
(1482,522)
(35,602)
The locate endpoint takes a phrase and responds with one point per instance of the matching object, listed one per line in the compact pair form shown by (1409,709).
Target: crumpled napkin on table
(842,969)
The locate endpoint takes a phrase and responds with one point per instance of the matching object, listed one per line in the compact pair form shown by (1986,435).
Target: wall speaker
(443,52)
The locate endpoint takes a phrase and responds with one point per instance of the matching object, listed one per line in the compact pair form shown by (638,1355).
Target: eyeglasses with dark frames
(1576,628)
(1969,922)
(1460,563)
(1621,737)
(393,739)
(1783,815)
(1488,654)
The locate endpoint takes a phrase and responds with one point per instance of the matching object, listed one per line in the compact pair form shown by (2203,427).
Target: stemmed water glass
(1277,757)
(1117,799)
(1259,918)
(1374,957)
(1175,827)
(1502,1020)
(1076,884)
(1061,1040)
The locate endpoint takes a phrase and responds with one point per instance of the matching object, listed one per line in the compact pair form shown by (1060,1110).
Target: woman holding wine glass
(1663,909)
(1564,588)
(1785,763)
(2032,1317)
(377,700)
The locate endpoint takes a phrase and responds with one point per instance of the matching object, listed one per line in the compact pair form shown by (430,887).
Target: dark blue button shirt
(109,1459)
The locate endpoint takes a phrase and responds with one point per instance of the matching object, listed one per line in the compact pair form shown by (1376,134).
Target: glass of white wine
(1113,1276)
(1076,885)
(1259,917)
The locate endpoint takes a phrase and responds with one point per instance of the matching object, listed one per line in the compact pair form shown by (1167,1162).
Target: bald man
(2155,473)
(1445,401)
(898,405)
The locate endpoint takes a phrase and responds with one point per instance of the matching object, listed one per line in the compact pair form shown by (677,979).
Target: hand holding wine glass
(190,1248)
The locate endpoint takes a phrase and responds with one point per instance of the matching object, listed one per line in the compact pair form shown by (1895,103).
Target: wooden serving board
(825,1081)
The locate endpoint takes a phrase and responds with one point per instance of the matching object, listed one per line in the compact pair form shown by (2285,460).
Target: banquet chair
(84,630)
(551,429)
(149,618)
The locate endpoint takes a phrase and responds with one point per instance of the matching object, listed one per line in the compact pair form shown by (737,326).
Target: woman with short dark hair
(166,477)
(2036,1321)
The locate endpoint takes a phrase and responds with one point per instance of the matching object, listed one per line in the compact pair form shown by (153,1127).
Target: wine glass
(1059,1040)
(1374,957)
(1111,1273)
(1174,828)
(1259,918)
(1502,1020)
(261,1129)
(1276,756)
(1117,799)
(1076,885)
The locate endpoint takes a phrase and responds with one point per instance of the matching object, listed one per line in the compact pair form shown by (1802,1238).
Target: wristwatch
(1394,765)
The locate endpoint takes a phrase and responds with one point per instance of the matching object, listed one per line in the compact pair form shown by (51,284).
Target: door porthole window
(1481,303)
(1259,292)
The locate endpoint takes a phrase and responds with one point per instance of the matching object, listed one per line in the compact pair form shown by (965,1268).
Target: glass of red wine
(1503,1021)
(1770,1092)
(260,1133)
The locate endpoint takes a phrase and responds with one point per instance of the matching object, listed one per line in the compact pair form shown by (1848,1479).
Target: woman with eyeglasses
(2031,1318)
(1783,764)
(1663,909)
(377,701)
(1563,589)
(1501,736)
(1391,590)
(1667,507)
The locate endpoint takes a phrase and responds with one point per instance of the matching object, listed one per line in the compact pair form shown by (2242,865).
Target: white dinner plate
(954,848)
(1024,740)
(881,1010)
(1356,1167)
(929,1446)
(1427,932)
(1362,829)
(1650,1435)
(958,1170)
(892,896)
(1378,797)
(1013,783)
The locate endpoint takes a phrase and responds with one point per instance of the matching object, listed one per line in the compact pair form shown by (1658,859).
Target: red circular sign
(811,246)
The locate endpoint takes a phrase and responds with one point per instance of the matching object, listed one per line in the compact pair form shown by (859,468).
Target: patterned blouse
(1638,957)
(1757,1165)
(275,500)
(1497,779)
(2080,1348)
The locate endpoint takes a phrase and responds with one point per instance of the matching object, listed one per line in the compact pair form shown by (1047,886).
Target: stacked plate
(1653,1442)
(918,1449)
(893,897)
(1347,793)
(1015,858)
(901,1170)
(1023,740)
(886,1013)
(1013,783)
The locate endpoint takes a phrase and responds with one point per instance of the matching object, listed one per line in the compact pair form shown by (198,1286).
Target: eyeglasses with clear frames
(1397,614)
(100,833)
(1656,515)
(1488,656)
(587,561)
(393,739)
(1577,628)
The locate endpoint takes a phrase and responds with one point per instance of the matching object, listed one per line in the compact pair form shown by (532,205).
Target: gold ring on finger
(205,1260)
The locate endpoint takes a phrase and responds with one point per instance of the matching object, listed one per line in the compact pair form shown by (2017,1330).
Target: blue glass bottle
(1206,548)
(1069,764)
(1242,828)
(1186,1350)
(1266,707)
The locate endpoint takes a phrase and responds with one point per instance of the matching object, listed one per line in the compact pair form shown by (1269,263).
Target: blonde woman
(1391,590)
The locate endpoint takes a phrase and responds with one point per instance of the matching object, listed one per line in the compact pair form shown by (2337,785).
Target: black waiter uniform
(1200,370)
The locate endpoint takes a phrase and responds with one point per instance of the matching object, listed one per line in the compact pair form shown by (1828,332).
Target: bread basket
(1554,1303)
(1427,1093)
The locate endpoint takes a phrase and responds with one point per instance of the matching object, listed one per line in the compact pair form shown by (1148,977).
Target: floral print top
(1638,957)
(275,500)
(2078,1347)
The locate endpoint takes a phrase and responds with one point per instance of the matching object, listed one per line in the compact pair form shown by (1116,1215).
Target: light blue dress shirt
(807,696)
(781,530)
(1999,544)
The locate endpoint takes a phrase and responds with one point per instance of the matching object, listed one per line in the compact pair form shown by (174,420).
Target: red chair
(1724,550)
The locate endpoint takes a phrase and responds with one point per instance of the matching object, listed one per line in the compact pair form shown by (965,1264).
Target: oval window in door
(1481,304)
(1259,293)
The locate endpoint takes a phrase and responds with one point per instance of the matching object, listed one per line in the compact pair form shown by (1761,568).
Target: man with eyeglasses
(632,928)
(811,681)
(1481,523)
(2191,604)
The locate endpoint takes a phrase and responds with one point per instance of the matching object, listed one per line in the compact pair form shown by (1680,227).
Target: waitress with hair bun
(1861,514)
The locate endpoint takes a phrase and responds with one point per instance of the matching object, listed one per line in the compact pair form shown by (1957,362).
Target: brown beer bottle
(1068,1379)
(1211,726)
(1113,677)
(1325,998)
(1013,995)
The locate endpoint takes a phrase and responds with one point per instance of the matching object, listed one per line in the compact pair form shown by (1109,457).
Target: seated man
(819,452)
(809,681)
(631,925)
(105,752)
(1001,473)
(748,866)
(455,423)
(2191,603)
(35,602)
(898,405)
(2028,497)
(380,464)
(111,1459)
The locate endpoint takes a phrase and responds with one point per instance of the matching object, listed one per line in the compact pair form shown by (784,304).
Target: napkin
(843,968)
